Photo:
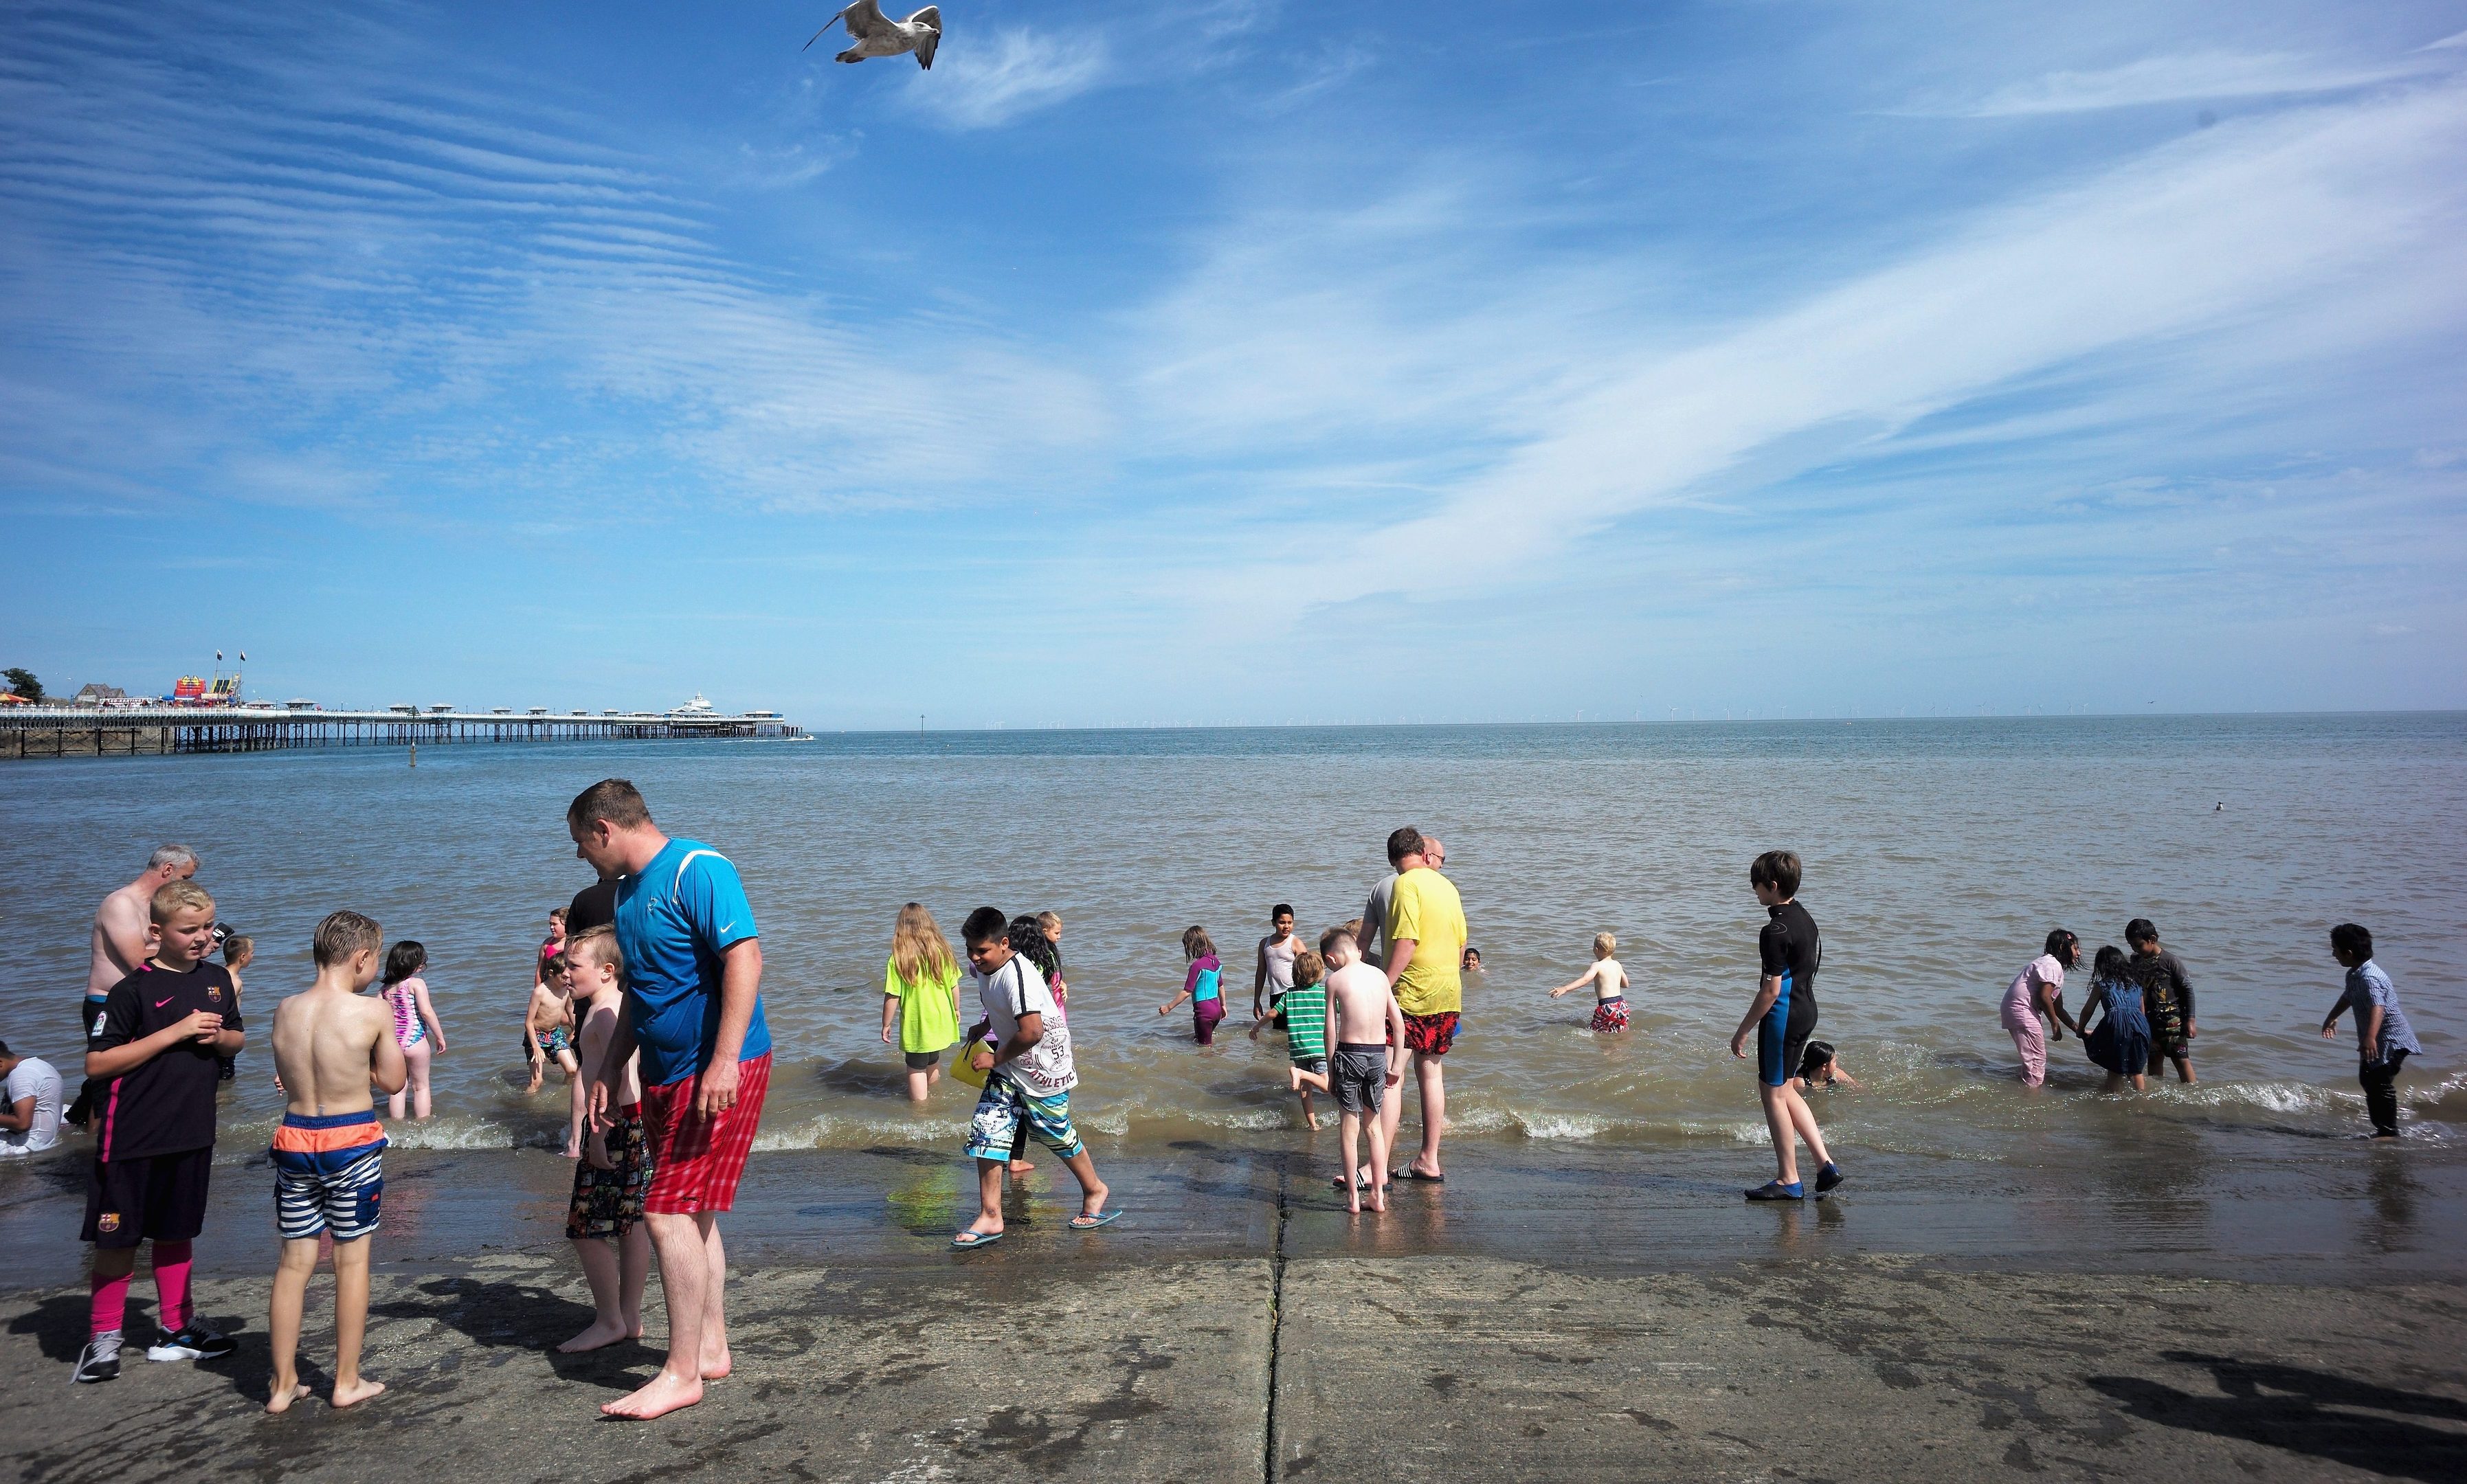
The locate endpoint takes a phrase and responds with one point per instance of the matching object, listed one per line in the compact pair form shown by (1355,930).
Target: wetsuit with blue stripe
(1791,951)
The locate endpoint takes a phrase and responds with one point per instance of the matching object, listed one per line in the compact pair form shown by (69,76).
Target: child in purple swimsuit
(1202,986)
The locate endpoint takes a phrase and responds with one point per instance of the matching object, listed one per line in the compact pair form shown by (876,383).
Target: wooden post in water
(415,755)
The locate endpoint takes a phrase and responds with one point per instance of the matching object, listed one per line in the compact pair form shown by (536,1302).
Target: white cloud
(2189,77)
(2222,232)
(980,84)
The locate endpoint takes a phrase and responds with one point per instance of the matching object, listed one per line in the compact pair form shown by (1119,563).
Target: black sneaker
(99,1360)
(194,1342)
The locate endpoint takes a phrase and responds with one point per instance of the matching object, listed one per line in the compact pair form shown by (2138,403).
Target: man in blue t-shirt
(693,1010)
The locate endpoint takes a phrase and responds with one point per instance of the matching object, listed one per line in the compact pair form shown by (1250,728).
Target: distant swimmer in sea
(2033,1012)
(1781,1018)
(2120,1041)
(878,35)
(1610,987)
(1820,1068)
(2384,1039)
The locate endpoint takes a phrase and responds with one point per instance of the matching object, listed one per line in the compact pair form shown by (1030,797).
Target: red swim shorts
(696,1162)
(1431,1035)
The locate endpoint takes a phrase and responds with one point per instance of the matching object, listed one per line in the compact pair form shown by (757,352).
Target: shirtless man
(329,1042)
(124,930)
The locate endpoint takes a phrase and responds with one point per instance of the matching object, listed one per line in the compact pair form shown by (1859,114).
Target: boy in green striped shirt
(1305,1008)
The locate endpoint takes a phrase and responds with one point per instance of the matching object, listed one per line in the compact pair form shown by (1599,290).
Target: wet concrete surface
(1546,1314)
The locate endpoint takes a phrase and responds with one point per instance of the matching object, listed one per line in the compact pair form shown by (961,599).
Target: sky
(1231,362)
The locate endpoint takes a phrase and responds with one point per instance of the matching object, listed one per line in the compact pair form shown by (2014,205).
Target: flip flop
(970,1240)
(1083,1222)
(1412,1173)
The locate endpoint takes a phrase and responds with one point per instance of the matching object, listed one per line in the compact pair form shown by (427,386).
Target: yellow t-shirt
(927,1020)
(1426,910)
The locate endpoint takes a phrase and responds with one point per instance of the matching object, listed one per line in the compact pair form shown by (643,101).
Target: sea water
(1938,853)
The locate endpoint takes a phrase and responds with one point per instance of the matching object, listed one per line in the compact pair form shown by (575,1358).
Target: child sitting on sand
(329,1043)
(1370,1061)
(2120,1041)
(1202,986)
(548,1021)
(615,1172)
(1610,987)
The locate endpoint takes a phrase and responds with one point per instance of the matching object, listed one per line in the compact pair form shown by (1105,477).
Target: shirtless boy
(121,936)
(616,1166)
(329,1043)
(1369,1058)
(547,1026)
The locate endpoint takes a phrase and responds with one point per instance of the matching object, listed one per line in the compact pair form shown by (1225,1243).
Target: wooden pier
(85,731)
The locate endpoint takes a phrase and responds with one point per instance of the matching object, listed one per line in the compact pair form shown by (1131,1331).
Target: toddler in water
(2120,1041)
(1050,925)
(2383,1040)
(415,1030)
(1610,987)
(1202,986)
(548,1029)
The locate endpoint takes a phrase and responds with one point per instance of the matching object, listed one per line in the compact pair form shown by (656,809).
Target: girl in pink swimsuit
(414,1025)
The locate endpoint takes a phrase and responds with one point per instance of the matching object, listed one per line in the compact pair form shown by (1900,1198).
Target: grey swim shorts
(1358,1076)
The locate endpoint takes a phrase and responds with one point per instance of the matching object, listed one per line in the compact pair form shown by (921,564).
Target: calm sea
(1938,855)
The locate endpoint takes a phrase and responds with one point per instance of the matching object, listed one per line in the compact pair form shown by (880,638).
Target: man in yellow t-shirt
(1426,938)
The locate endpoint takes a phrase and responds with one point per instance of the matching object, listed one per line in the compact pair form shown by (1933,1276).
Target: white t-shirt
(1016,989)
(34,1077)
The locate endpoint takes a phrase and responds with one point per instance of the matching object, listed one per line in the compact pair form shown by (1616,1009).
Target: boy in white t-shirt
(1028,1078)
(30,1109)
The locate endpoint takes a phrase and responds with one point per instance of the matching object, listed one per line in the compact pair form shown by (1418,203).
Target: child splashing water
(1202,986)
(417,1032)
(1610,987)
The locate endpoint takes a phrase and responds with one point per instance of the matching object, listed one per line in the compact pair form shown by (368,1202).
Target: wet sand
(1547,1313)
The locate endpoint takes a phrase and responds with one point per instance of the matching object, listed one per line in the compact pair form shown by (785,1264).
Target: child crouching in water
(1610,987)
(330,1044)
(1370,1058)
(615,1171)
(1203,987)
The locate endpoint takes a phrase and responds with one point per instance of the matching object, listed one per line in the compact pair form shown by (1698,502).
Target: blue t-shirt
(675,917)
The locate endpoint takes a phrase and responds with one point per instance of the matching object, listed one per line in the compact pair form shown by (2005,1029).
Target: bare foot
(571,1154)
(657,1397)
(357,1392)
(1379,1199)
(715,1370)
(284,1396)
(1020,1166)
(601,1333)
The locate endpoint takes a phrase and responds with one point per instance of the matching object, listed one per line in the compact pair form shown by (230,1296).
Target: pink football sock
(110,1302)
(170,1284)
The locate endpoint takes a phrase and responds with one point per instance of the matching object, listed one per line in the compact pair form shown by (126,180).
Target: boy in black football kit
(152,1050)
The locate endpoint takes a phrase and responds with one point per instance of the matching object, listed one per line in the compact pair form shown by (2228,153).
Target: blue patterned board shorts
(328,1175)
(1000,1110)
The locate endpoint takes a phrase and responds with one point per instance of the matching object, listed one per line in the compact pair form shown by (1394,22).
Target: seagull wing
(925,48)
(865,18)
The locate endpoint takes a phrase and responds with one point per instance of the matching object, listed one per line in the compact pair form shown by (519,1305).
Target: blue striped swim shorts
(328,1175)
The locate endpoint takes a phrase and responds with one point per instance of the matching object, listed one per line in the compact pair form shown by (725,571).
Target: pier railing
(85,731)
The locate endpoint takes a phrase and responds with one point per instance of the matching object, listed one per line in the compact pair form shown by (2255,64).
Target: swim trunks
(157,1198)
(608,1203)
(553,1041)
(919,1061)
(328,1175)
(1316,1066)
(697,1163)
(1358,1075)
(1006,1111)
(1610,1016)
(1430,1035)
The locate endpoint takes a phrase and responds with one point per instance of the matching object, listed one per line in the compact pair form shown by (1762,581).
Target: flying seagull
(878,35)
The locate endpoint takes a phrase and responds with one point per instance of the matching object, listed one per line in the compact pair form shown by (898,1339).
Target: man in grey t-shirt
(30,1109)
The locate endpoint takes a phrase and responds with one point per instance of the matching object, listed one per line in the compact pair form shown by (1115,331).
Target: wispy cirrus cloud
(984,82)
(2191,77)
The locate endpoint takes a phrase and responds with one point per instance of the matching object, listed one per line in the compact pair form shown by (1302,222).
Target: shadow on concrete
(498,1315)
(58,1324)
(2304,1411)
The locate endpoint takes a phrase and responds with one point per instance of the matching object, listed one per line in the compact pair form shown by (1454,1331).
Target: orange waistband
(291,1138)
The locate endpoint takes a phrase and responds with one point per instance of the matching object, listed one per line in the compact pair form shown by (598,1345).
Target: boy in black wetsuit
(152,1053)
(1783,1017)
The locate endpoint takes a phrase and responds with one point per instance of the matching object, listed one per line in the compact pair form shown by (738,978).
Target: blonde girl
(920,992)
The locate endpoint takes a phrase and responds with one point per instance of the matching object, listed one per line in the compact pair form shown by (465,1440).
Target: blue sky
(1242,362)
